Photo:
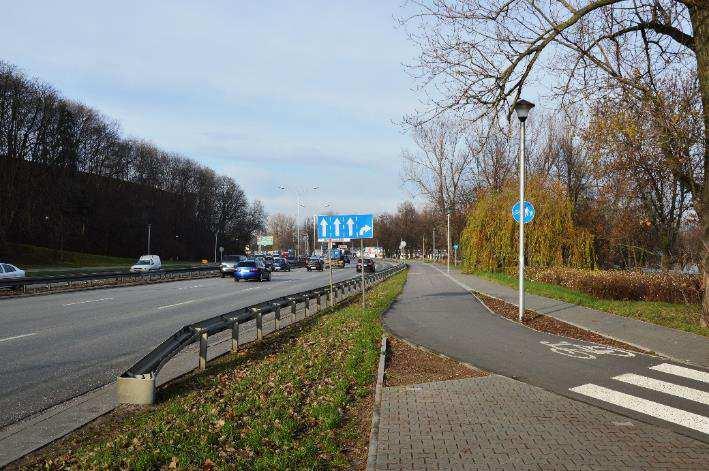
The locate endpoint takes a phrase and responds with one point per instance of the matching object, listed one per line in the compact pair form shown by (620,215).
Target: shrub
(625,285)
(489,240)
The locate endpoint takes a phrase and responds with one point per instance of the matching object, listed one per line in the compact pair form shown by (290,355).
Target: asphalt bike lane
(76,346)
(436,311)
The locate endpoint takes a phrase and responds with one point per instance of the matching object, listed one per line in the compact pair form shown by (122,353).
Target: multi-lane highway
(56,347)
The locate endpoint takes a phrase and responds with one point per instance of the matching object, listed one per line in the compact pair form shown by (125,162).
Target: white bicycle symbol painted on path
(588,352)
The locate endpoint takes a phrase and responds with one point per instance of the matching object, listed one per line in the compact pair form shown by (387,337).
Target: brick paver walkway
(499,423)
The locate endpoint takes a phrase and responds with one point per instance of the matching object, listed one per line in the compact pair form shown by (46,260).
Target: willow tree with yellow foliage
(490,238)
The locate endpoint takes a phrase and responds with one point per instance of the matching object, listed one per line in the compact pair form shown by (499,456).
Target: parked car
(147,263)
(229,263)
(252,270)
(280,264)
(9,274)
(315,263)
(368,265)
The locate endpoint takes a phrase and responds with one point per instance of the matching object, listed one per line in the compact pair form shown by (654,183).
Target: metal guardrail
(137,384)
(87,278)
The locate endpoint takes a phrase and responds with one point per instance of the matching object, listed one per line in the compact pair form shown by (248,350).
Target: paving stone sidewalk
(499,423)
(675,344)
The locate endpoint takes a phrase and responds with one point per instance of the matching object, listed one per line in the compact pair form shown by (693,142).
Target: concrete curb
(374,432)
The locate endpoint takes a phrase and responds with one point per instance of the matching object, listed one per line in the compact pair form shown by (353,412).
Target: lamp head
(522,108)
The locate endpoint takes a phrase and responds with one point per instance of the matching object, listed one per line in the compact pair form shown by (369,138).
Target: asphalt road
(56,347)
(436,312)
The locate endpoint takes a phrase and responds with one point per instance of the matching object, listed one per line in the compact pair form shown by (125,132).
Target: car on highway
(9,274)
(252,270)
(315,263)
(147,263)
(281,264)
(368,265)
(229,263)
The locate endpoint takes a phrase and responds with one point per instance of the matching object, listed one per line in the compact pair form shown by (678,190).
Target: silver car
(8,274)
(229,263)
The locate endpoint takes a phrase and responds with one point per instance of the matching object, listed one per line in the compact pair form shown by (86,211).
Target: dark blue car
(252,270)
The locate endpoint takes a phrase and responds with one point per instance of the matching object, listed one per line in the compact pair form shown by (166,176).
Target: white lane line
(692,394)
(682,371)
(18,337)
(89,301)
(178,304)
(644,406)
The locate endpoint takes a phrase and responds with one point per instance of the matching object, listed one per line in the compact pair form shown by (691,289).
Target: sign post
(361,254)
(345,227)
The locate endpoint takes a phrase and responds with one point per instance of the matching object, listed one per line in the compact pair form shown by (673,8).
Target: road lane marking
(692,394)
(682,371)
(89,301)
(653,409)
(178,304)
(18,337)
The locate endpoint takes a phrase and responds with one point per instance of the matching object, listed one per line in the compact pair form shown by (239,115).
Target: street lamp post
(298,193)
(216,234)
(522,108)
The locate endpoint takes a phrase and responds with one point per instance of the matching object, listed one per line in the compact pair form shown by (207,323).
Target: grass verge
(676,316)
(295,401)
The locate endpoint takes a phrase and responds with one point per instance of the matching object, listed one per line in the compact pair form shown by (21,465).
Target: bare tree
(282,228)
(439,169)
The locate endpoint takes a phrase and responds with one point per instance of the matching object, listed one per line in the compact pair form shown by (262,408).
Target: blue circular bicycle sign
(528,212)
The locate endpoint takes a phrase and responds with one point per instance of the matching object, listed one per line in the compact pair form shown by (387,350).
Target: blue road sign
(528,212)
(455,246)
(346,226)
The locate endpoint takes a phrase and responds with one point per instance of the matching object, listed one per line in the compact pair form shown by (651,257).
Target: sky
(294,94)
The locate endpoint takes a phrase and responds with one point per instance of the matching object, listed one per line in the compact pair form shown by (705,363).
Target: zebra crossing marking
(644,406)
(691,394)
(682,371)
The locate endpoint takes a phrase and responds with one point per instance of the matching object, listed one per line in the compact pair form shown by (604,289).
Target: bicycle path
(435,311)
(679,345)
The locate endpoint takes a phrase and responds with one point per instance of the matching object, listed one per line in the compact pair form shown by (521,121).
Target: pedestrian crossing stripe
(644,406)
(682,371)
(691,394)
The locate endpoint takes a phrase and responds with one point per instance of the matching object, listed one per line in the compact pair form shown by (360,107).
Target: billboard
(265,241)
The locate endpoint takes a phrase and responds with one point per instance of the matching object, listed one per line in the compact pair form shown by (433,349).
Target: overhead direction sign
(529,212)
(345,226)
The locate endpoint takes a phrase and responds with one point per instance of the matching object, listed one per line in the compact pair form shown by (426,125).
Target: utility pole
(448,248)
(433,249)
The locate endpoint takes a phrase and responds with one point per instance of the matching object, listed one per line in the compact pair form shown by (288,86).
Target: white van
(146,263)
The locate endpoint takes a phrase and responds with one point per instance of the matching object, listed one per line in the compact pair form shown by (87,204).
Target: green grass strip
(287,404)
(676,316)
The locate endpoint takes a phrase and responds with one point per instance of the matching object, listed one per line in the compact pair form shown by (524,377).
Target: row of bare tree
(635,71)
(72,181)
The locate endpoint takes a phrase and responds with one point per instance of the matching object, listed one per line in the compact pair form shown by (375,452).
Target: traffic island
(299,399)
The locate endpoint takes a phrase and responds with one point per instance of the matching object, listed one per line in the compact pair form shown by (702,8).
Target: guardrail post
(307,306)
(318,301)
(203,350)
(277,315)
(235,336)
(259,324)
(293,306)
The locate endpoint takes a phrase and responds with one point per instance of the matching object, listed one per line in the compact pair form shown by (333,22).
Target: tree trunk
(700,26)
